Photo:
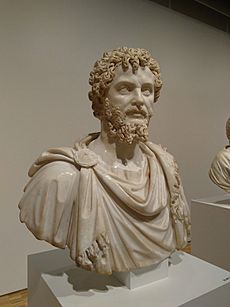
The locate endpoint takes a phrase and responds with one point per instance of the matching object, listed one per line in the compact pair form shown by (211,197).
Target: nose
(138,99)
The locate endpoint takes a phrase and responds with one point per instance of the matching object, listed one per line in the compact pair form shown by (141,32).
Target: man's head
(125,83)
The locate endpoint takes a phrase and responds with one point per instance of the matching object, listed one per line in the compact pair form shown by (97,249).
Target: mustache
(134,110)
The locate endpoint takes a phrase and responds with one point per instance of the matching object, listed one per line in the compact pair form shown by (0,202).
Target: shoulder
(167,162)
(161,152)
(221,161)
(59,173)
(219,172)
(66,157)
(224,153)
(65,154)
(58,168)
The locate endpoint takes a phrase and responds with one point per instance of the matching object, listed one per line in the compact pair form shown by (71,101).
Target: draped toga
(112,217)
(220,169)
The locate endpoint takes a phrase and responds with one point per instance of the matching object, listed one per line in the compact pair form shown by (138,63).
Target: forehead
(141,75)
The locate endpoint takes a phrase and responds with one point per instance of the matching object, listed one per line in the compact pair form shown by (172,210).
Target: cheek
(150,106)
(118,100)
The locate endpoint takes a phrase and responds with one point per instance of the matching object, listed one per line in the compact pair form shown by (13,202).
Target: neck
(111,150)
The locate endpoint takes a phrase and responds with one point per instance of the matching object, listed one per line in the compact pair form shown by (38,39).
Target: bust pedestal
(55,281)
(210,230)
(144,276)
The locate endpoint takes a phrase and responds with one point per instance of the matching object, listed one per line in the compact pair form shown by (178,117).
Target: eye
(147,91)
(124,89)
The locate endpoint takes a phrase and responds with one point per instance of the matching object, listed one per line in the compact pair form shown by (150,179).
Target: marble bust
(114,199)
(220,168)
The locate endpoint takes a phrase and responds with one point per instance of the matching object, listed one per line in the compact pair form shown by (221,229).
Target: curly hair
(228,129)
(104,71)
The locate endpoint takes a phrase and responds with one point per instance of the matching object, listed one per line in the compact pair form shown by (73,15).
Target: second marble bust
(114,198)
(220,169)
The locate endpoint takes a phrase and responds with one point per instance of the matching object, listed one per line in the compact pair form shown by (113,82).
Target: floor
(19,298)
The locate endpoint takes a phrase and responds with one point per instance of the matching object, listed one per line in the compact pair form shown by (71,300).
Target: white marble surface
(220,169)
(144,276)
(114,198)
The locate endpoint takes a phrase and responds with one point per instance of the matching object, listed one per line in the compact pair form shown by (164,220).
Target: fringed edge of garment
(89,257)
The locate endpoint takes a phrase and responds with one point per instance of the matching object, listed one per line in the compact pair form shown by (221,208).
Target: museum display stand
(211,230)
(142,277)
(54,280)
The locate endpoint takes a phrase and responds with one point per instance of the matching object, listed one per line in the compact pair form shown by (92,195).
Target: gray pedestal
(211,230)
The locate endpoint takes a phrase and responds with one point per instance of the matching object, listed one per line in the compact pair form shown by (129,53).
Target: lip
(135,115)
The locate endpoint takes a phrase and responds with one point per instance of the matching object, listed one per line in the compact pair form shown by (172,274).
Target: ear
(98,108)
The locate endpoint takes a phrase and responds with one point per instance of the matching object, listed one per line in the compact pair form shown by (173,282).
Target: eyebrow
(148,84)
(127,82)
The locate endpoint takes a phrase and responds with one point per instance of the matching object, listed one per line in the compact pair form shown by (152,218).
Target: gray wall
(47,50)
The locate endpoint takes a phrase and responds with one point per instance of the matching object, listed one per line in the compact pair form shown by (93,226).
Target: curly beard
(117,126)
